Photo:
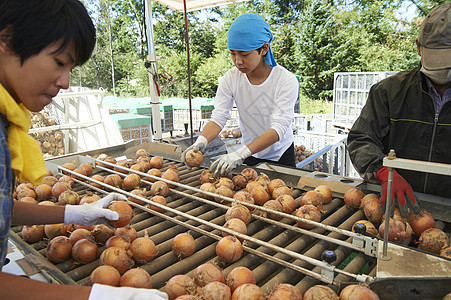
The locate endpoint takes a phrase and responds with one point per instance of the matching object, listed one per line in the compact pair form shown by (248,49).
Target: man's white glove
(199,145)
(93,213)
(225,163)
(106,292)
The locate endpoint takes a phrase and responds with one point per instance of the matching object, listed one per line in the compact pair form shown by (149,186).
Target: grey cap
(435,38)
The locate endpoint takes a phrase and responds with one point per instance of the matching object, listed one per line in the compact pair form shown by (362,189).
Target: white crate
(322,123)
(300,122)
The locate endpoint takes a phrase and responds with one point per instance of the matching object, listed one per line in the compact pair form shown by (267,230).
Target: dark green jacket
(400,115)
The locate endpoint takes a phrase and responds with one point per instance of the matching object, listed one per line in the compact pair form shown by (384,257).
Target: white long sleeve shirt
(261,107)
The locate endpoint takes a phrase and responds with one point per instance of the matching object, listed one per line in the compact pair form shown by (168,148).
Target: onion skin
(143,249)
(179,285)
(102,233)
(59,249)
(136,278)
(320,292)
(248,291)
(207,273)
(183,245)
(372,211)
(285,291)
(420,222)
(433,240)
(69,197)
(239,276)
(358,291)
(117,258)
(216,290)
(446,252)
(398,231)
(229,249)
(353,198)
(105,275)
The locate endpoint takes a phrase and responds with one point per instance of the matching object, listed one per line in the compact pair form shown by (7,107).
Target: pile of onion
(206,273)
(420,222)
(183,245)
(358,291)
(229,249)
(433,240)
(285,291)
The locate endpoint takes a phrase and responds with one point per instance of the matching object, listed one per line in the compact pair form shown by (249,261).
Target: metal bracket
(369,244)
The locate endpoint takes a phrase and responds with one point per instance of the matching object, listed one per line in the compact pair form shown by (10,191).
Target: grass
(309,106)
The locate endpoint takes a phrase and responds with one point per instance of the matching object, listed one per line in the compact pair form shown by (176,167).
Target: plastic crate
(300,122)
(322,123)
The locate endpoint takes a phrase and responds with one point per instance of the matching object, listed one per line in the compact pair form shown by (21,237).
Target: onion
(245,197)
(193,159)
(263,179)
(145,165)
(308,212)
(326,192)
(179,285)
(239,276)
(23,185)
(43,192)
(288,203)
(273,205)
(79,234)
(433,240)
(118,241)
(156,162)
(70,166)
(320,292)
(49,203)
(208,187)
(33,233)
(136,278)
(143,249)
(59,249)
(50,180)
(250,174)
(131,182)
(125,212)
(225,181)
(105,275)
(137,167)
(59,188)
(236,225)
(139,193)
(26,192)
(358,291)
(109,159)
(122,163)
(229,249)
(396,215)
(372,211)
(114,180)
(117,258)
(102,233)
(223,191)
(128,232)
(157,199)
(183,245)
(397,231)
(368,198)
(171,174)
(250,185)
(275,183)
(285,291)
(87,167)
(370,228)
(259,194)
(353,198)
(68,197)
(239,181)
(66,179)
(446,252)
(420,222)
(281,190)
(154,172)
(89,198)
(28,200)
(207,176)
(248,291)
(141,152)
(206,273)
(313,198)
(239,211)
(79,171)
(53,230)
(159,188)
(216,290)
(85,250)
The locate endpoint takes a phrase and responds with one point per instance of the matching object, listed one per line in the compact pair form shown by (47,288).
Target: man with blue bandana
(264,93)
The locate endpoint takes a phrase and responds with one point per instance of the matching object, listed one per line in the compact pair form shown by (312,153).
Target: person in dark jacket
(410,112)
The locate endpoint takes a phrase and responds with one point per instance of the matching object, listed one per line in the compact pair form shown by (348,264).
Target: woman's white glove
(93,213)
(106,292)
(225,163)
(199,145)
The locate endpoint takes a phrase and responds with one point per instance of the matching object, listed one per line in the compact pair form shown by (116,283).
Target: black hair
(32,25)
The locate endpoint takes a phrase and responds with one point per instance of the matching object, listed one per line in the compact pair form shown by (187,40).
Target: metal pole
(391,155)
(189,71)
(153,75)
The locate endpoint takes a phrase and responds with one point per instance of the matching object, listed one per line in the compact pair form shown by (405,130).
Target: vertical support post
(391,155)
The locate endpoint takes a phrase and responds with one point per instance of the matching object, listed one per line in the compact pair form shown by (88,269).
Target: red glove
(401,192)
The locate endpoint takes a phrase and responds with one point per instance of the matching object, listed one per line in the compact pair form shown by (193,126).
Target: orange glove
(401,192)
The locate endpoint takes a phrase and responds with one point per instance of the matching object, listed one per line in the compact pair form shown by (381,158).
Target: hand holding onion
(92,213)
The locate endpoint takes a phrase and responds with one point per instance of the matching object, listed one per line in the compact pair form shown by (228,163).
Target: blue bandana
(249,32)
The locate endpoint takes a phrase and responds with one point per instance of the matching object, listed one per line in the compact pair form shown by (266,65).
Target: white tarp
(192,5)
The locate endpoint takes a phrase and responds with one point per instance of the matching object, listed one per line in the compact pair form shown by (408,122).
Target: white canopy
(192,5)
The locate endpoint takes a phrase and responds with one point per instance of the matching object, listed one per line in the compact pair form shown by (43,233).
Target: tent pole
(151,65)
(189,71)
